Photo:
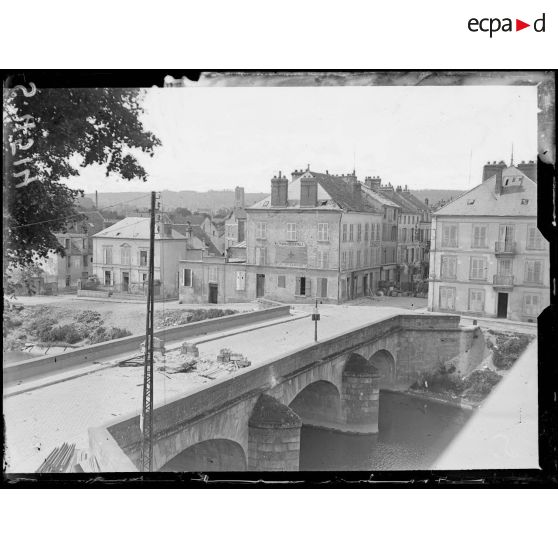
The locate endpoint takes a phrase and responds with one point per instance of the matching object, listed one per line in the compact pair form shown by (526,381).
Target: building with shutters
(487,255)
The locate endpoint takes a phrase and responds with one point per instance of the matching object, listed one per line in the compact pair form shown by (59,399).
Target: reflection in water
(412,434)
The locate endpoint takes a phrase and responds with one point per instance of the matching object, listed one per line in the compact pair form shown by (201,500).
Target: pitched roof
(518,197)
(136,228)
(415,201)
(333,193)
(197,218)
(406,205)
(200,234)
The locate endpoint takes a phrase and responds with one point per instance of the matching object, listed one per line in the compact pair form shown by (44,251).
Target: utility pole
(315,319)
(147,410)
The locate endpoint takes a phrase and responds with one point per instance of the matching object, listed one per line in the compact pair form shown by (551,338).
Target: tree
(50,129)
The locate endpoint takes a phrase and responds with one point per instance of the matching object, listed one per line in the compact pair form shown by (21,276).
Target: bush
(508,350)
(101,334)
(65,333)
(442,380)
(481,382)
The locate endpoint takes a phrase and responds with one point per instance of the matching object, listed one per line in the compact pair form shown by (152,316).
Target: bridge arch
(218,454)
(384,363)
(318,401)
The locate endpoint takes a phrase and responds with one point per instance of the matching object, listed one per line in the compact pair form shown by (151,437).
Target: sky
(216,138)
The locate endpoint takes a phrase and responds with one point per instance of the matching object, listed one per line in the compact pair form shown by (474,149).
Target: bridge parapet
(414,343)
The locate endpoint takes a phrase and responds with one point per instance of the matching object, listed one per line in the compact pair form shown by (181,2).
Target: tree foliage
(88,126)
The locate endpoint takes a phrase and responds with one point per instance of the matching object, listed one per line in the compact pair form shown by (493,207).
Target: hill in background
(215,199)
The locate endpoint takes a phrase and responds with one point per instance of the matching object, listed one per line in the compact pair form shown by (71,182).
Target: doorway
(260,285)
(125,281)
(213,293)
(502,305)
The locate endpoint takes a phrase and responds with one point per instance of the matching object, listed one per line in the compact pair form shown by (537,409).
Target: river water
(412,434)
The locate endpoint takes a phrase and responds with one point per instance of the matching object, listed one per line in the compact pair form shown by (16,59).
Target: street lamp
(315,319)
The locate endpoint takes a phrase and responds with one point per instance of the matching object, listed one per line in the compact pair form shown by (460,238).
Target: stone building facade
(488,257)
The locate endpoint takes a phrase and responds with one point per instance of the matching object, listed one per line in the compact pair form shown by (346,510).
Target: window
(344,260)
(125,255)
(533,271)
(447,298)
(186,277)
(449,236)
(479,236)
(534,238)
(351,230)
(345,232)
(365,257)
(213,274)
(323,259)
(359,232)
(323,232)
(322,287)
(404,235)
(350,259)
(261,255)
(240,280)
(448,267)
(291,231)
(76,262)
(302,287)
(85,261)
(143,258)
(358,258)
(477,269)
(144,278)
(107,254)
(281,281)
(476,300)
(505,267)
(531,304)
(261,230)
(366,227)
(394,233)
(108,278)
(67,244)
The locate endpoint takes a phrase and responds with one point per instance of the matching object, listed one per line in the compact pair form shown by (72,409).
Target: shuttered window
(322,287)
(449,267)
(291,231)
(323,259)
(531,304)
(261,230)
(534,238)
(449,236)
(323,232)
(479,236)
(240,280)
(533,271)
(281,281)
(261,255)
(476,300)
(477,269)
(447,298)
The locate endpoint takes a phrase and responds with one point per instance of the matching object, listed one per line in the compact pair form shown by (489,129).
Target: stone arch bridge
(252,421)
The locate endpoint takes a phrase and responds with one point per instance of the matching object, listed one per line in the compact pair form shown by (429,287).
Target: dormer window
(470,202)
(524,201)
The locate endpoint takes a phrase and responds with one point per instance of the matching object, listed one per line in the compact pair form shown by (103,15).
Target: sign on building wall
(291,254)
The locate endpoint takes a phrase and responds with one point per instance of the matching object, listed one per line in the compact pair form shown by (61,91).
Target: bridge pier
(273,436)
(360,396)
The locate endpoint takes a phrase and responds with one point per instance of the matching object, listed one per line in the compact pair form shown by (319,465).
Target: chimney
(498,187)
(296,173)
(239,197)
(529,169)
(188,232)
(398,189)
(279,191)
(308,192)
(490,169)
(373,182)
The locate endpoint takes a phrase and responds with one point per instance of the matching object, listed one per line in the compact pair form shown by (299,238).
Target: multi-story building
(318,236)
(121,254)
(487,256)
(69,271)
(235,225)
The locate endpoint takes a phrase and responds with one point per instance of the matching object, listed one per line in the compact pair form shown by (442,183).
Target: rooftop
(518,197)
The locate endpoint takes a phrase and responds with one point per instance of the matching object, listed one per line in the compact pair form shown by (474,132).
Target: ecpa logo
(494,24)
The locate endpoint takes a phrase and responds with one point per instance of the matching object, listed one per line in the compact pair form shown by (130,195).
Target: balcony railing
(503,280)
(504,247)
